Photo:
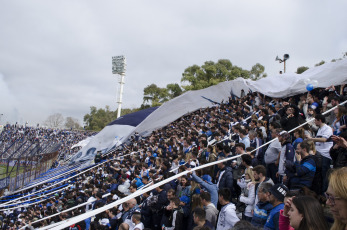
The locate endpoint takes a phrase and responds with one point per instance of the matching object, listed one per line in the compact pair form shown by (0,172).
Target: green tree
(257,72)
(192,75)
(320,63)
(210,73)
(174,90)
(155,95)
(97,119)
(301,69)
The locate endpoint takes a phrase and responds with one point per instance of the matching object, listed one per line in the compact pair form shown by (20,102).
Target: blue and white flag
(114,134)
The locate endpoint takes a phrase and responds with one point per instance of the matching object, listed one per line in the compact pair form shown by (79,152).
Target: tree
(210,73)
(191,75)
(301,69)
(55,120)
(155,95)
(174,90)
(97,119)
(72,123)
(257,72)
(320,63)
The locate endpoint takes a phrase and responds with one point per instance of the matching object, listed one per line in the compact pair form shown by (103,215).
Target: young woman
(299,135)
(183,189)
(336,195)
(302,213)
(248,196)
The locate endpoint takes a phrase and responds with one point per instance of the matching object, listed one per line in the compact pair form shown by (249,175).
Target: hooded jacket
(227,217)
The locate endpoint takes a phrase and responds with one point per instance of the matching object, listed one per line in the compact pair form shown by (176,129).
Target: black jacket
(226,181)
(339,157)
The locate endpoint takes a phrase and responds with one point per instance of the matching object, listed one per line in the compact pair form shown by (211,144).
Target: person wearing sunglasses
(336,195)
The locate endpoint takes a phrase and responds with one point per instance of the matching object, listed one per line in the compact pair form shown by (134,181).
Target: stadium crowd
(283,185)
(13,136)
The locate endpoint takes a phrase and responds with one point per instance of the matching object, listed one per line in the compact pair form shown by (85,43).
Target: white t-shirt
(324,147)
(139,226)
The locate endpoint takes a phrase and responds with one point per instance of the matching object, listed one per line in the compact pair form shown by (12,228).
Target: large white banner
(279,86)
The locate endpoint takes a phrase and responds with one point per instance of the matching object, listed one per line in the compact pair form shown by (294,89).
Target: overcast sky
(55,56)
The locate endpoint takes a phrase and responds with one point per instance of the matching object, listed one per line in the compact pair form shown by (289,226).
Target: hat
(185,199)
(206,178)
(279,191)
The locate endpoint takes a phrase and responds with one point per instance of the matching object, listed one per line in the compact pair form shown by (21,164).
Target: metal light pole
(285,58)
(119,67)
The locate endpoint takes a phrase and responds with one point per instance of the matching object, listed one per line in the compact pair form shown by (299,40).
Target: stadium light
(285,58)
(119,67)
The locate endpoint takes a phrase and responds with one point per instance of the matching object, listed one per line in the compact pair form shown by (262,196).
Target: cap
(185,199)
(206,178)
(279,191)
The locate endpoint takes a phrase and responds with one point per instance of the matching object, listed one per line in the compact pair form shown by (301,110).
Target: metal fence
(26,165)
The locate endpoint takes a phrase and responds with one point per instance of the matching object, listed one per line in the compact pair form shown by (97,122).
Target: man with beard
(259,173)
(277,194)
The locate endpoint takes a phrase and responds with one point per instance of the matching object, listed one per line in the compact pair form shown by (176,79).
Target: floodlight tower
(119,67)
(285,58)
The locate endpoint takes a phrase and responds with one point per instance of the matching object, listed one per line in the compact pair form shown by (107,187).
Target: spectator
(136,219)
(285,157)
(303,212)
(276,198)
(271,156)
(208,186)
(263,207)
(225,177)
(338,152)
(244,138)
(199,215)
(210,208)
(159,207)
(248,197)
(299,137)
(336,195)
(259,173)
(304,168)
(290,119)
(256,142)
(227,216)
(323,145)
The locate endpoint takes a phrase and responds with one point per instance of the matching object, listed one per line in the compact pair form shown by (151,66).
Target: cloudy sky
(55,56)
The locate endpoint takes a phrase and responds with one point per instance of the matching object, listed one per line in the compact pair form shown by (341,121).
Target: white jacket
(249,200)
(227,217)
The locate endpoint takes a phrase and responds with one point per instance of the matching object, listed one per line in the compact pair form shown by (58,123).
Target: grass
(3,169)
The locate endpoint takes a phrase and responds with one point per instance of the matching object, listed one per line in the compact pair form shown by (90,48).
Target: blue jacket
(210,187)
(261,213)
(274,216)
(304,173)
